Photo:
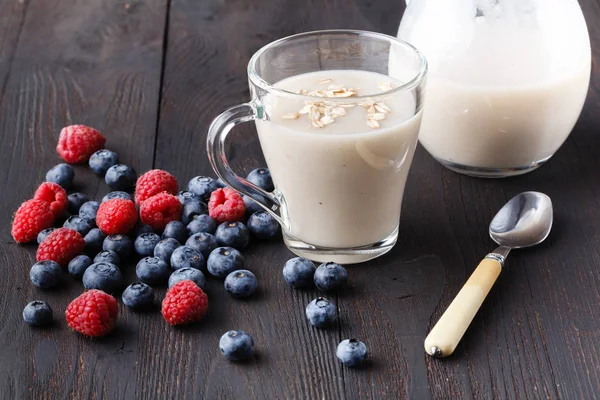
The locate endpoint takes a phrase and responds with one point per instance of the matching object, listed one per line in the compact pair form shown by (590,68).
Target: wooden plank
(535,337)
(507,352)
(12,15)
(204,74)
(96,63)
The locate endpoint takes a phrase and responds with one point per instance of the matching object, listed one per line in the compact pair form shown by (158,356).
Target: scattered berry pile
(176,236)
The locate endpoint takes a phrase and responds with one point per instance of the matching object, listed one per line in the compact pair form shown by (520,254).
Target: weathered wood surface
(151,75)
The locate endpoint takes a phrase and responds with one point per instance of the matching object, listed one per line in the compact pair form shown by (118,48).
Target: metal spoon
(524,221)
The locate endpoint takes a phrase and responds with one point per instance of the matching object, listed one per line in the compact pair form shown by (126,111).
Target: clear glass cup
(338,184)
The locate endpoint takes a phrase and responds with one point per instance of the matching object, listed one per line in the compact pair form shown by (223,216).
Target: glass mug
(338,133)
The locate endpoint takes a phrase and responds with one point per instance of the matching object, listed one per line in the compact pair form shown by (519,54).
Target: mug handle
(215,148)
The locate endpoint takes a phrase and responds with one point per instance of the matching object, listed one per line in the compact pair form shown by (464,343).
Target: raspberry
(184,303)
(116,216)
(93,313)
(31,218)
(226,205)
(78,142)
(154,182)
(61,246)
(159,210)
(54,195)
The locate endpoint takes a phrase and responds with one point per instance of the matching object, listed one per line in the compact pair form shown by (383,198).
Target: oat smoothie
(341,168)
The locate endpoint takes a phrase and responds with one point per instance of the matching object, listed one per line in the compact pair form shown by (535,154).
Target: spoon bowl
(524,221)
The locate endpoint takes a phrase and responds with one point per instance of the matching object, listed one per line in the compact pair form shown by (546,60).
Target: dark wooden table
(151,75)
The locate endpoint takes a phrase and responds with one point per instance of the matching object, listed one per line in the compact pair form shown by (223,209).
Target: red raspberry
(61,246)
(93,313)
(159,210)
(30,219)
(53,194)
(116,216)
(78,142)
(184,303)
(226,205)
(154,182)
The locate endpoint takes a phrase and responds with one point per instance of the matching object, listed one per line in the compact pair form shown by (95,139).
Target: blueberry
(236,345)
(140,228)
(202,223)
(321,312)
(241,283)
(145,243)
(233,234)
(93,241)
(261,177)
(76,200)
(351,352)
(330,276)
(192,274)
(78,265)
(175,230)
(108,256)
(221,184)
(103,276)
(119,194)
(202,186)
(102,160)
(186,257)
(262,225)
(203,243)
(89,209)
(185,197)
(190,210)
(120,177)
(138,296)
(120,244)
(224,260)
(165,248)
(63,174)
(44,234)
(81,225)
(299,272)
(37,313)
(46,274)
(251,205)
(152,270)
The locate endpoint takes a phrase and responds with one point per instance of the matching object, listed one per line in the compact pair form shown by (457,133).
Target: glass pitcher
(507,80)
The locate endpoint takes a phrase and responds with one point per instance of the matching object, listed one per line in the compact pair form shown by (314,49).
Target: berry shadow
(259,295)
(257,360)
(196,327)
(53,325)
(349,291)
(368,365)
(77,187)
(120,334)
(150,309)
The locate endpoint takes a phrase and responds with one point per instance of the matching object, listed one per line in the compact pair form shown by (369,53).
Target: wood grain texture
(103,64)
(445,221)
(12,16)
(96,63)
